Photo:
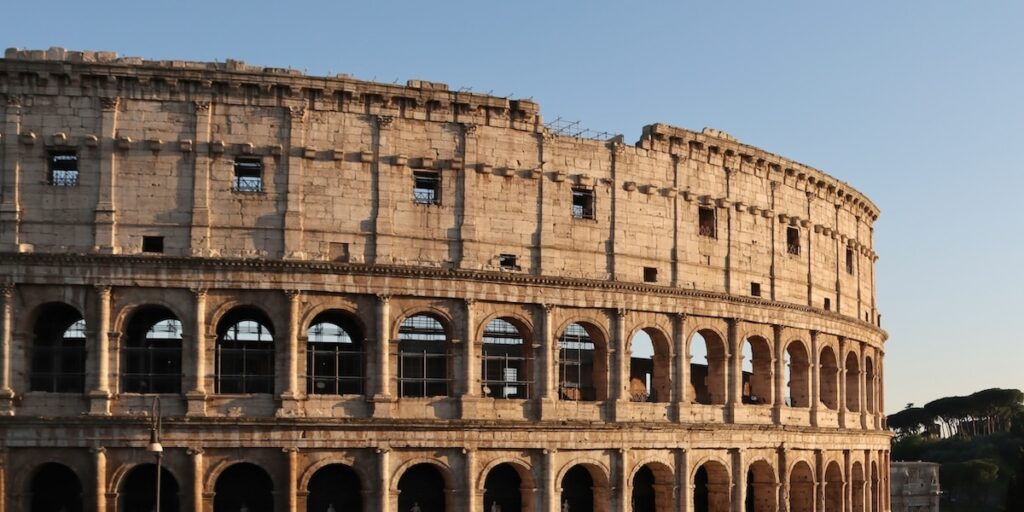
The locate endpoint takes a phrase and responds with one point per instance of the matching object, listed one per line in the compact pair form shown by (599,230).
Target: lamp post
(156,448)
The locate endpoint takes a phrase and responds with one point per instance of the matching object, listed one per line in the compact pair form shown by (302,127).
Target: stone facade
(201,229)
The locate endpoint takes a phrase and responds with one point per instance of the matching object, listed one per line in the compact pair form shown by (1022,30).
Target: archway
(757,371)
(711,488)
(798,380)
(503,489)
(423,357)
(857,488)
(829,386)
(138,490)
(152,352)
(334,355)
(852,383)
(245,352)
(652,488)
(243,486)
(833,487)
(577,490)
(422,487)
(55,488)
(875,498)
(582,364)
(801,488)
(505,361)
(760,495)
(334,487)
(58,350)
(707,368)
(649,372)
(869,382)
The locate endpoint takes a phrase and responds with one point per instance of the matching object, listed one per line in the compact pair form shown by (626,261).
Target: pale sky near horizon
(918,104)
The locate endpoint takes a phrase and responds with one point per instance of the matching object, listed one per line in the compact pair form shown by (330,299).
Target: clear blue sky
(918,104)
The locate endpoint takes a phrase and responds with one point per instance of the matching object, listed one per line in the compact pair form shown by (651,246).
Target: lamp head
(154,443)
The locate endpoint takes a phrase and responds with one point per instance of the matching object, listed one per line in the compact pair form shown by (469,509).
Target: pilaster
(99,395)
(681,379)
(291,395)
(201,166)
(6,340)
(197,478)
(547,361)
(10,189)
(779,384)
(196,395)
(106,208)
(383,396)
(293,226)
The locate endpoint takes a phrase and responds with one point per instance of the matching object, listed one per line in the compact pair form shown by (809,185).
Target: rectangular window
(153,244)
(426,188)
(849,260)
(248,174)
(828,304)
(63,168)
(706,219)
(508,261)
(755,289)
(583,203)
(650,275)
(792,240)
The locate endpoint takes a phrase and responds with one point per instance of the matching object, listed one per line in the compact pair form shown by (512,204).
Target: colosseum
(258,290)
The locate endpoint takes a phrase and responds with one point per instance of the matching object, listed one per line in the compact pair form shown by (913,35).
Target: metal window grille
(245,359)
(334,363)
(576,352)
(153,364)
(58,365)
(63,168)
(248,175)
(583,203)
(503,362)
(422,357)
(426,187)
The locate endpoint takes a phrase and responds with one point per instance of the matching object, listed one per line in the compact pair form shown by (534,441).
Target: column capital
(548,307)
(620,313)
(201,106)
(469,128)
(384,121)
(7,290)
(13,101)
(98,449)
(383,298)
(293,295)
(195,451)
(199,292)
(289,449)
(297,113)
(469,302)
(103,290)
(110,104)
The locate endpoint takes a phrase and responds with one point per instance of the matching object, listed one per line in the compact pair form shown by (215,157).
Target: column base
(196,403)
(619,410)
(469,407)
(549,409)
(99,403)
(731,412)
(383,406)
(777,414)
(291,406)
(815,417)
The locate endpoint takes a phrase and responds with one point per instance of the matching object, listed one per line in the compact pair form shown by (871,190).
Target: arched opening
(649,373)
(852,382)
(582,364)
(801,488)
(829,379)
(243,486)
(875,498)
(833,487)
(711,488)
(152,352)
(503,489)
(58,350)
(138,490)
(798,369)
(644,498)
(869,382)
(707,368)
(55,488)
(760,495)
(505,361)
(577,490)
(757,371)
(422,488)
(334,488)
(857,490)
(422,357)
(334,355)
(245,352)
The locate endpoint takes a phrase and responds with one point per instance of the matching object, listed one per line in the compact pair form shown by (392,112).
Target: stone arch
(571,491)
(761,493)
(225,308)
(758,386)
(336,486)
(516,318)
(245,361)
(254,488)
(851,369)
(506,357)
(598,470)
(801,487)
(425,353)
(797,365)
(507,482)
(583,369)
(442,467)
(857,487)
(335,348)
(134,486)
(651,483)
(833,486)
(711,482)
(311,469)
(119,321)
(650,378)
(56,355)
(438,499)
(708,384)
(152,364)
(67,494)
(442,315)
(522,466)
(828,368)
(352,311)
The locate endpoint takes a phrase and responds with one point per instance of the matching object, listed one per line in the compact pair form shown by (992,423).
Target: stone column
(291,393)
(473,498)
(383,395)
(739,480)
(547,362)
(619,384)
(815,378)
(782,500)
(552,492)
(291,489)
(196,396)
(681,379)
(471,368)
(293,227)
(197,478)
(684,499)
(779,402)
(10,190)
(862,380)
(621,485)
(105,219)
(99,396)
(734,369)
(384,479)
(6,340)
(100,478)
(842,381)
(3,481)
(200,226)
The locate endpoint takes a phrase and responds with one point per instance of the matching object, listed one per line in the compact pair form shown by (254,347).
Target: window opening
(792,240)
(576,363)
(63,168)
(828,304)
(153,244)
(334,359)
(426,187)
(583,203)
(755,289)
(505,361)
(153,353)
(706,219)
(58,351)
(422,357)
(650,275)
(248,174)
(849,260)
(245,354)
(508,262)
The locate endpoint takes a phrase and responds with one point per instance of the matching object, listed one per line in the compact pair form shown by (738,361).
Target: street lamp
(155,447)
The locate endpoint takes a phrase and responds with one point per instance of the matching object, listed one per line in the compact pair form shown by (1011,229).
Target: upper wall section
(226,160)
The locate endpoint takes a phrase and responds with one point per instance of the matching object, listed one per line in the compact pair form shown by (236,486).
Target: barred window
(63,167)
(422,357)
(426,187)
(504,361)
(576,364)
(152,352)
(248,174)
(793,240)
(58,351)
(334,356)
(583,203)
(245,352)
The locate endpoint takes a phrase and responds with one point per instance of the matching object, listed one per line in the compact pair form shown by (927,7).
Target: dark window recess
(828,304)
(63,168)
(792,240)
(153,244)
(339,251)
(508,261)
(706,219)
(426,188)
(849,260)
(755,289)
(650,275)
(583,203)
(248,175)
